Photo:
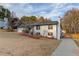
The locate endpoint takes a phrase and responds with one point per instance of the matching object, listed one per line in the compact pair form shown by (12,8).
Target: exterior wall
(4,23)
(44,31)
(20,30)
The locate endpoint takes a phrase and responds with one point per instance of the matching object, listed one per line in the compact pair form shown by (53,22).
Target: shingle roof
(40,24)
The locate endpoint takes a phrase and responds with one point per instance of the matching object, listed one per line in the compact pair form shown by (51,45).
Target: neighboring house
(15,23)
(47,29)
(4,24)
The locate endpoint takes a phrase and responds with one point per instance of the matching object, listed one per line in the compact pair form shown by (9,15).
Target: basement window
(50,33)
(38,33)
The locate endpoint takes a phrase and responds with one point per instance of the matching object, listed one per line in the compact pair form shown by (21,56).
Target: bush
(25,31)
(10,30)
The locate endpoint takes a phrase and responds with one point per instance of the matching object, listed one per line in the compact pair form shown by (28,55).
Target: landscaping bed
(35,36)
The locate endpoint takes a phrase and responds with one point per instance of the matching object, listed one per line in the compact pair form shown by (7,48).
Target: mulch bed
(35,36)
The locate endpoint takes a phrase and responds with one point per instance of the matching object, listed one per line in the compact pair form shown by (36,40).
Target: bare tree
(70,21)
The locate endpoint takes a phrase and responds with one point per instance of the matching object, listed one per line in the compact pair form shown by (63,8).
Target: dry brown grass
(13,44)
(1,30)
(6,30)
(38,48)
(75,36)
(77,42)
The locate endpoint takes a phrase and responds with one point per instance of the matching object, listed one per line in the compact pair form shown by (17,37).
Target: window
(37,27)
(50,27)
(38,33)
(50,33)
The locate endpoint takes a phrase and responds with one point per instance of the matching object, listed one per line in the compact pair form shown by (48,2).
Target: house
(4,23)
(47,29)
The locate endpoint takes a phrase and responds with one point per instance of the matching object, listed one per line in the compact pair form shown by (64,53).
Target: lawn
(1,30)
(77,42)
(75,36)
(14,44)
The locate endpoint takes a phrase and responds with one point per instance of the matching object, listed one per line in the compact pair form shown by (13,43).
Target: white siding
(20,30)
(44,30)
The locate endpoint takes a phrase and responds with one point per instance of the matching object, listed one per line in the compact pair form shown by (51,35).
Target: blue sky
(47,10)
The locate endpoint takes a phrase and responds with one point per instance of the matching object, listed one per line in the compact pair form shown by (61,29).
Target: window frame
(50,26)
(37,27)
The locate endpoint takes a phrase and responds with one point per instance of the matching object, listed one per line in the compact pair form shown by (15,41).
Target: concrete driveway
(66,48)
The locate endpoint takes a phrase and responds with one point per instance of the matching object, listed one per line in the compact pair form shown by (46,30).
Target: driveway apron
(66,48)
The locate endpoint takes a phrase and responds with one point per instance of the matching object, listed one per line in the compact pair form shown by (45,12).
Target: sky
(47,10)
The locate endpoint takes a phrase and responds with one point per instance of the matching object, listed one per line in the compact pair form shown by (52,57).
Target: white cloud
(28,9)
(56,10)
(21,9)
(43,12)
(5,5)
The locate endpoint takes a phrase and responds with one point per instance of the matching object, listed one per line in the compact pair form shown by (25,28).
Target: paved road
(67,48)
